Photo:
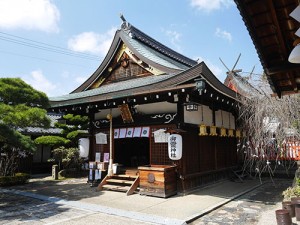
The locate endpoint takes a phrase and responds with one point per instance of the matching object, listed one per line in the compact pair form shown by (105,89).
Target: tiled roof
(114,87)
(149,50)
(38,130)
(139,86)
(45,131)
(155,55)
(140,36)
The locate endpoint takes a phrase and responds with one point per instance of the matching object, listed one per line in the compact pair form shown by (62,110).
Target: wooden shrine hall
(158,113)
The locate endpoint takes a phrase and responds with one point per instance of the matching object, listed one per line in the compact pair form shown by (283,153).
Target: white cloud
(29,14)
(210,5)
(39,82)
(91,42)
(223,34)
(175,38)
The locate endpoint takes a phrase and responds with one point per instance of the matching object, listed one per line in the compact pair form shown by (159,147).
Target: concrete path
(178,209)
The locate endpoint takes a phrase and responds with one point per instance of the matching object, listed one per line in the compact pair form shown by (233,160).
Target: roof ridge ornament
(125,25)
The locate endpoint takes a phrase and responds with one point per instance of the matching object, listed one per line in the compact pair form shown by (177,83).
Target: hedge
(19,178)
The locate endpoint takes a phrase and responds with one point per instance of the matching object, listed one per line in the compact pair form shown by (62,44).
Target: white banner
(116,133)
(129,132)
(145,132)
(98,157)
(122,133)
(137,132)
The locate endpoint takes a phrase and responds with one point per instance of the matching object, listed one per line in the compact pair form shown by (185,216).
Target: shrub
(19,178)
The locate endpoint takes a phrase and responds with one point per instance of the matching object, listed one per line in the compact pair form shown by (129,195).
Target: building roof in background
(272,30)
(54,117)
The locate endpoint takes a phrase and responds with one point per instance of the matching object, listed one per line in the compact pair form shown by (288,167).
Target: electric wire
(46,47)
(43,59)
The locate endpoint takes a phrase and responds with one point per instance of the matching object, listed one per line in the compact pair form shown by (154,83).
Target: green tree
(66,152)
(21,106)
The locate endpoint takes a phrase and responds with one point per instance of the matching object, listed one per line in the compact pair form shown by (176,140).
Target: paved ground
(256,207)
(18,209)
(44,201)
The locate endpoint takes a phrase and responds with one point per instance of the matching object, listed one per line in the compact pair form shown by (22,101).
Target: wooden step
(120,181)
(115,188)
(125,176)
(123,183)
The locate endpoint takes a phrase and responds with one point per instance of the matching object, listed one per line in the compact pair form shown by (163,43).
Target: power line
(43,59)
(46,47)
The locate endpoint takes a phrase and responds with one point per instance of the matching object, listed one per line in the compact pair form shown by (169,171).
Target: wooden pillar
(180,121)
(180,108)
(91,137)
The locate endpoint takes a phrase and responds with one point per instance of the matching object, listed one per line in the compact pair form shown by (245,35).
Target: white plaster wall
(195,117)
(103,113)
(153,108)
(228,119)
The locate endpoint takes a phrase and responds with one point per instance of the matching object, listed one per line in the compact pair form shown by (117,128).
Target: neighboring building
(151,92)
(38,162)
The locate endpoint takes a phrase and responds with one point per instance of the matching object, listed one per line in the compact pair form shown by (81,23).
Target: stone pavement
(19,209)
(61,202)
(256,207)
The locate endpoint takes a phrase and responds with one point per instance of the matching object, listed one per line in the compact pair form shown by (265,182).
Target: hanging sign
(175,146)
(84,145)
(106,157)
(160,136)
(101,138)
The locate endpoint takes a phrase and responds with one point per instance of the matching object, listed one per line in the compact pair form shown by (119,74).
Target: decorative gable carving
(124,65)
(126,68)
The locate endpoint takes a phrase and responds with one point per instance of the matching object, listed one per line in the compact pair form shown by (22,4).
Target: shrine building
(157,116)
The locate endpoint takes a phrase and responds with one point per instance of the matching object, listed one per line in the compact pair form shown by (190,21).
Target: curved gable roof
(142,85)
(146,48)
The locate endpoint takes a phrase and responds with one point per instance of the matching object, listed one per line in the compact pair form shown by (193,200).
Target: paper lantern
(230,133)
(202,130)
(175,146)
(238,133)
(213,131)
(84,146)
(223,132)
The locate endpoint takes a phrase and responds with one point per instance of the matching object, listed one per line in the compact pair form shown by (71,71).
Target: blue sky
(55,45)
